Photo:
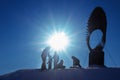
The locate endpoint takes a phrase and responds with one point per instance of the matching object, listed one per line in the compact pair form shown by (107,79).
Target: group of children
(46,53)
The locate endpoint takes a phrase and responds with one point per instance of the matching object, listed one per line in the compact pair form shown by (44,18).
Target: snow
(65,74)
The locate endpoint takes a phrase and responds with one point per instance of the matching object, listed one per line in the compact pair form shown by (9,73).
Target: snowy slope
(66,74)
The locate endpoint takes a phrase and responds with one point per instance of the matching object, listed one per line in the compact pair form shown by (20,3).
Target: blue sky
(26,24)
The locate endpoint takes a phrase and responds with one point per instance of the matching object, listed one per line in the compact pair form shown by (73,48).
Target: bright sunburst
(58,41)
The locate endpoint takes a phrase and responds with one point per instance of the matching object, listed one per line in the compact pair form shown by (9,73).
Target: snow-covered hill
(66,74)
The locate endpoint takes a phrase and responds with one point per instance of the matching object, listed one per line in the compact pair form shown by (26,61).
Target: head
(55,53)
(47,48)
(61,61)
(73,57)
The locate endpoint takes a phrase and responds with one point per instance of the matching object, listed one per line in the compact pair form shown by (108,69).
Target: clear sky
(26,24)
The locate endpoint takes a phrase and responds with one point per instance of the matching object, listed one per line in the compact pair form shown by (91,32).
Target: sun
(58,41)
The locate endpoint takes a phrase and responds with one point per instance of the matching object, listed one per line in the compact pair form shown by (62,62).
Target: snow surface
(65,74)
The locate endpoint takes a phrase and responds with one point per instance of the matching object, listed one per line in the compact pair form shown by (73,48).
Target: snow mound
(65,74)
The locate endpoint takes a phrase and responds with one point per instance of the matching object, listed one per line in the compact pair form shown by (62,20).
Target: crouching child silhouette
(60,65)
(76,62)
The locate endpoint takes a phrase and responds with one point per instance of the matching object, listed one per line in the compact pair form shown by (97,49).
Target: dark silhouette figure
(76,62)
(56,59)
(49,61)
(60,65)
(44,56)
